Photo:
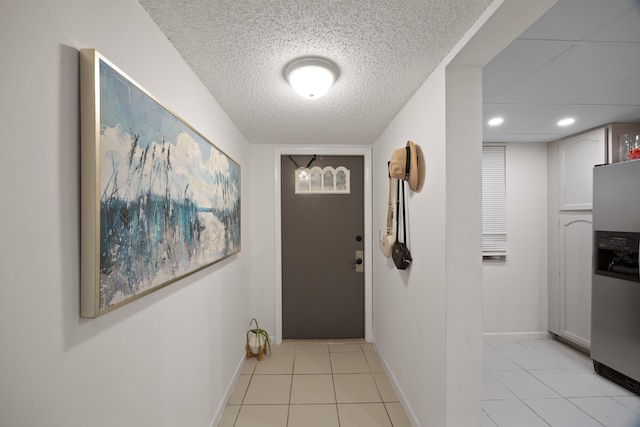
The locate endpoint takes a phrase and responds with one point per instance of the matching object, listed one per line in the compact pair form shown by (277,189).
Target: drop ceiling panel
(623,29)
(579,72)
(597,115)
(576,19)
(523,118)
(626,92)
(516,62)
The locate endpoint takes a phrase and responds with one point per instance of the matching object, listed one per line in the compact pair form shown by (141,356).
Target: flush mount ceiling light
(311,77)
(496,121)
(566,122)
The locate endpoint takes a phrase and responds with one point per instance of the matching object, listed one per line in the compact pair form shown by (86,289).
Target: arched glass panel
(341,181)
(328,181)
(316,180)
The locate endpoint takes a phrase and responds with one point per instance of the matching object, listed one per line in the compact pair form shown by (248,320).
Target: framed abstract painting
(158,200)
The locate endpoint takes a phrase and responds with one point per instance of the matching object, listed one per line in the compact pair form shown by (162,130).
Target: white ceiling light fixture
(566,122)
(496,121)
(311,77)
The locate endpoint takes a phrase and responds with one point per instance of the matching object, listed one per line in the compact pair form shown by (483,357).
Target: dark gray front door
(322,288)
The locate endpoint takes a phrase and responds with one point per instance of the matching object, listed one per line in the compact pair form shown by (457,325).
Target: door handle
(359,263)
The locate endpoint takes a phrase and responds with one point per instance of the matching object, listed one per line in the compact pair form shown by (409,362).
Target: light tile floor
(536,382)
(542,382)
(309,384)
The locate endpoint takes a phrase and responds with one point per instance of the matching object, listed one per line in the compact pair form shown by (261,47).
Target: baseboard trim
(579,346)
(396,387)
(217,416)
(497,336)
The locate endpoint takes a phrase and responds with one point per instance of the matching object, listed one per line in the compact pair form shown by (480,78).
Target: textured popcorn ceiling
(385,50)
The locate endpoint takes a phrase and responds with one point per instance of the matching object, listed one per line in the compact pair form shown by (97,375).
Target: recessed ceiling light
(311,77)
(566,122)
(496,121)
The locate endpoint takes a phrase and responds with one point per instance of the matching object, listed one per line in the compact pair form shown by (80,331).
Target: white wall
(164,360)
(410,306)
(428,320)
(262,227)
(515,291)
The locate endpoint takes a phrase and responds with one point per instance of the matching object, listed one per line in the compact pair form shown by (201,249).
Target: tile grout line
(244,396)
(235,420)
(568,401)
(293,370)
(333,381)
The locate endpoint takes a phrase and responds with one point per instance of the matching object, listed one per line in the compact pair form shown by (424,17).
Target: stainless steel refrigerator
(615,307)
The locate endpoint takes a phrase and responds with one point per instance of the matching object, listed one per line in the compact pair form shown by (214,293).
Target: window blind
(494,203)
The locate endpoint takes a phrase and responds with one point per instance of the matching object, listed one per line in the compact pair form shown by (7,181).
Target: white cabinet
(570,236)
(578,156)
(575,252)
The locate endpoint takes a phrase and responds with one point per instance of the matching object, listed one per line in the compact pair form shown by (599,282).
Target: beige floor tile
(348,363)
(268,390)
(277,363)
(283,348)
(313,347)
(367,347)
(373,361)
(356,388)
(312,389)
(339,348)
(249,366)
(229,416)
(313,416)
(263,416)
(397,414)
(385,388)
(363,414)
(312,363)
(240,390)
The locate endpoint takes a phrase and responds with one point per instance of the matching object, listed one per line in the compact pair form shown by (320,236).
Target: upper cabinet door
(578,155)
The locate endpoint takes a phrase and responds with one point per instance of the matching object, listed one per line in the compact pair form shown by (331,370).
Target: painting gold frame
(159,201)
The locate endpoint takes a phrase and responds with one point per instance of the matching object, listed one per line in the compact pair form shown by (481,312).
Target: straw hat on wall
(407,164)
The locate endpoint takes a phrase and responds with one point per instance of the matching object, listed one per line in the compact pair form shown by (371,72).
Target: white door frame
(366,153)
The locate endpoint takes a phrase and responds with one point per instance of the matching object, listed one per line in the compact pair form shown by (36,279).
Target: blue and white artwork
(169,200)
